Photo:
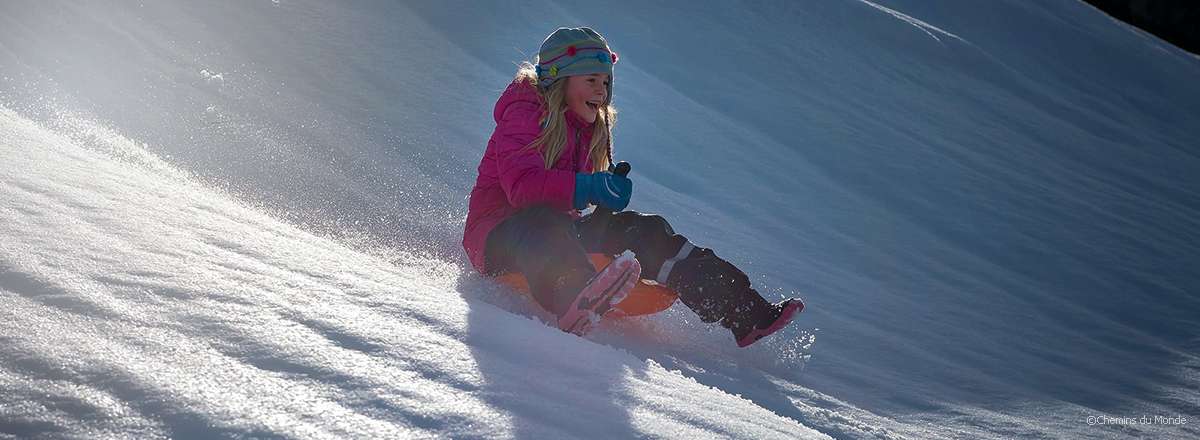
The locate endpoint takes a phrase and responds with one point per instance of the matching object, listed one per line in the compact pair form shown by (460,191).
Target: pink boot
(781,315)
(606,288)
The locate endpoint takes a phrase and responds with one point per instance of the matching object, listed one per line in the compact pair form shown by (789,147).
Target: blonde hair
(553,138)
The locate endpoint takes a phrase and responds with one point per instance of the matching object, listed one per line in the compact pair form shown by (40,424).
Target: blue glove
(602,189)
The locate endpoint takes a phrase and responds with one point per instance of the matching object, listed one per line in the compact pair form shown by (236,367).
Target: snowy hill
(242,219)
(137,303)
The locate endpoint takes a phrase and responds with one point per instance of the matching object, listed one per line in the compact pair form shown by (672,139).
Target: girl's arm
(522,172)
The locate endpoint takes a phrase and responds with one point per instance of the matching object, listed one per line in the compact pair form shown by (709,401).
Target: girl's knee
(649,223)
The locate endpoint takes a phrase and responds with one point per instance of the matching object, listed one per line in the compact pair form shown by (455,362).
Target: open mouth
(594,105)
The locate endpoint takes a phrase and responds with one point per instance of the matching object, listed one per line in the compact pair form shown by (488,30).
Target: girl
(550,157)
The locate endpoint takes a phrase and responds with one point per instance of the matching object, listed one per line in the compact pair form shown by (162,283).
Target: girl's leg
(712,287)
(542,244)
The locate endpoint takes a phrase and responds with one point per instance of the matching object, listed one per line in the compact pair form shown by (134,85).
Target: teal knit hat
(575,51)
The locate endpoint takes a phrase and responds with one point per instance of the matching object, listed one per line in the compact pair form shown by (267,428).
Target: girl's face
(586,93)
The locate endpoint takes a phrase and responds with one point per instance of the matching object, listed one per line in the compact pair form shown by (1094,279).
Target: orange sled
(647,297)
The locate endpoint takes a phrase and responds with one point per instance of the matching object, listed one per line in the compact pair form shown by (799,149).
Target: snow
(136,302)
(242,219)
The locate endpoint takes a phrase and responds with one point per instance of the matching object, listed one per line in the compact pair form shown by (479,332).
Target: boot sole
(608,287)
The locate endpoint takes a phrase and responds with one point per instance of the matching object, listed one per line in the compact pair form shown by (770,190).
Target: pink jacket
(512,178)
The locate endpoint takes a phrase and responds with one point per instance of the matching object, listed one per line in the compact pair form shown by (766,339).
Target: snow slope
(242,219)
(138,303)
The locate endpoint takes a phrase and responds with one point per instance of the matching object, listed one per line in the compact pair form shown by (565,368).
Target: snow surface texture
(242,219)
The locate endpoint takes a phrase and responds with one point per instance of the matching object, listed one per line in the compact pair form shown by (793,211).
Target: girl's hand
(602,189)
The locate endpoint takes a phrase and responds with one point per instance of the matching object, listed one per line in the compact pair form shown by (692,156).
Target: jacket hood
(520,91)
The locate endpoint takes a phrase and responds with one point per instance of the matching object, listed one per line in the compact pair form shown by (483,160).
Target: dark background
(1177,21)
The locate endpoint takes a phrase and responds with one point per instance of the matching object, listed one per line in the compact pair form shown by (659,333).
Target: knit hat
(575,51)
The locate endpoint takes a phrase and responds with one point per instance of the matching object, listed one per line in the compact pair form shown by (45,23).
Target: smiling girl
(549,157)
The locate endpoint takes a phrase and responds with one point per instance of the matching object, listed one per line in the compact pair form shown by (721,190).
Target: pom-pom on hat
(575,51)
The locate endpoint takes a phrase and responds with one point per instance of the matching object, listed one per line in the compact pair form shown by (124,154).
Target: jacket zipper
(578,133)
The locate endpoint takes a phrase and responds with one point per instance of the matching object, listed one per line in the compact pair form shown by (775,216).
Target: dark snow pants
(550,249)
